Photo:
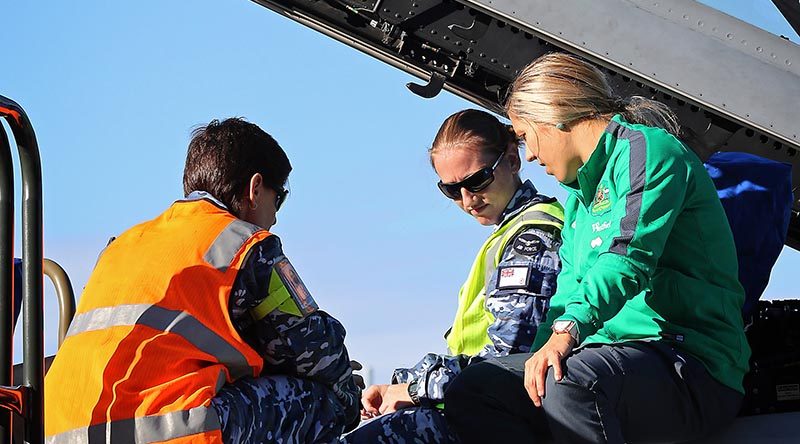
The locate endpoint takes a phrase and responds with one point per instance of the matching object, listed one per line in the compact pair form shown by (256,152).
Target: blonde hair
(560,89)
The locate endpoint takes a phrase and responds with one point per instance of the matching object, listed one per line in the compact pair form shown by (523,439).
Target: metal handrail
(31,393)
(6,275)
(65,295)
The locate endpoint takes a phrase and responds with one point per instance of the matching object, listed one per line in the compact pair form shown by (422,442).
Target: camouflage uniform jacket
(517,312)
(309,347)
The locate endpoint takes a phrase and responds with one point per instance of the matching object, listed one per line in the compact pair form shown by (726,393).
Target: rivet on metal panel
(493,60)
(411,12)
(469,50)
(433,31)
(686,16)
(729,36)
(482,55)
(773,55)
(445,37)
(758,49)
(788,62)
(700,23)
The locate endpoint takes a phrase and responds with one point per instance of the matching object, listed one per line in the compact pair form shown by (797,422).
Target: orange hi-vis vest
(152,341)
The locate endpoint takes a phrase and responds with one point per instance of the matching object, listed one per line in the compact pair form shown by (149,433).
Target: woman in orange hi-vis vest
(194,327)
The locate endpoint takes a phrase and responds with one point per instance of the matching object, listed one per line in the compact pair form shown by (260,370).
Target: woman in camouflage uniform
(506,293)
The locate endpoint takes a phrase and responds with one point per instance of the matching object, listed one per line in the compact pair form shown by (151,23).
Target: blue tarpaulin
(757,196)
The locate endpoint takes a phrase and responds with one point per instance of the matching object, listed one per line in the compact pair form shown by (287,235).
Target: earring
(561,126)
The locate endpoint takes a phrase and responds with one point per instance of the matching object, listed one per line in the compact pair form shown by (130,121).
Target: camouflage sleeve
(306,343)
(518,294)
(431,376)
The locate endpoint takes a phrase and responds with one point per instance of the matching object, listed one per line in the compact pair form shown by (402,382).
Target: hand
(551,354)
(358,379)
(384,398)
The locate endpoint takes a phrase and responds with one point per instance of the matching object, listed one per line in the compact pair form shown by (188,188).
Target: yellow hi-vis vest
(468,334)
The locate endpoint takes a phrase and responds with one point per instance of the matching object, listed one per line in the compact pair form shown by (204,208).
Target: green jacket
(648,253)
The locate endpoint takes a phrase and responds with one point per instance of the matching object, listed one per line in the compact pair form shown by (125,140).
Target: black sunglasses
(280,197)
(475,182)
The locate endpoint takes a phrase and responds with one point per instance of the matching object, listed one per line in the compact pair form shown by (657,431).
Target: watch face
(562,326)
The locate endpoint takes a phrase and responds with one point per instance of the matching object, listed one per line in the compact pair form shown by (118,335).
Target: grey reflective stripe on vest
(161,319)
(491,253)
(637,169)
(145,429)
(224,248)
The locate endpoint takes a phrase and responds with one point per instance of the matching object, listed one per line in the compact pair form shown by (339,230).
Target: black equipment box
(773,384)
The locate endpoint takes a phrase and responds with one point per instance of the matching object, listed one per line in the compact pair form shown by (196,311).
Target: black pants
(635,392)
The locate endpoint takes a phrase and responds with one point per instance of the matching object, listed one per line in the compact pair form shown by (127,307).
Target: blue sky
(115,88)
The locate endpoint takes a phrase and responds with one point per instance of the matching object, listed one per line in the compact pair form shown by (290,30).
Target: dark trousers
(635,392)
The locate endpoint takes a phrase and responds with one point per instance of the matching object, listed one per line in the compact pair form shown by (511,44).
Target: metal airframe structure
(734,85)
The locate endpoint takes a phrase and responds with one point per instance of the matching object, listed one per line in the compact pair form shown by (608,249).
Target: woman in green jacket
(646,341)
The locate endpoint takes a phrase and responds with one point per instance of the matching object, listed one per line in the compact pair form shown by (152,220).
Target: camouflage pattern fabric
(279,409)
(310,347)
(416,425)
(517,313)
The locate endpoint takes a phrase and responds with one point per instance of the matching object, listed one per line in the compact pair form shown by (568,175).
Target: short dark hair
(223,156)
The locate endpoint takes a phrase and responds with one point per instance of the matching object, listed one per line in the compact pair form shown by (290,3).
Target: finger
(540,375)
(355,365)
(532,388)
(557,374)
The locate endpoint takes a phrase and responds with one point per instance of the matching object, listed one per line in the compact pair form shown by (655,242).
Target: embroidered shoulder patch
(528,244)
(295,286)
(602,200)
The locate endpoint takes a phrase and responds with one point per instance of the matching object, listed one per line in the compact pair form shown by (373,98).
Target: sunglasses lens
(452,191)
(476,182)
(280,198)
(479,181)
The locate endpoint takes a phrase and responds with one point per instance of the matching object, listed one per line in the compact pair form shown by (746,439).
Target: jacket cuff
(416,391)
(586,325)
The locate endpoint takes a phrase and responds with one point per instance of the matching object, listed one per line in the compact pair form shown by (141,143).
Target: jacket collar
(525,196)
(591,172)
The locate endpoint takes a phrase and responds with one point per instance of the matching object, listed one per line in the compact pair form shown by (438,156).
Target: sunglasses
(475,182)
(280,197)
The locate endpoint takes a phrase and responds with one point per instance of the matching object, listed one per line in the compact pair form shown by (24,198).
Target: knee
(467,388)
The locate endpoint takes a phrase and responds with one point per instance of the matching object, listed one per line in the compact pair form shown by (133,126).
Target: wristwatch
(568,327)
(413,388)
